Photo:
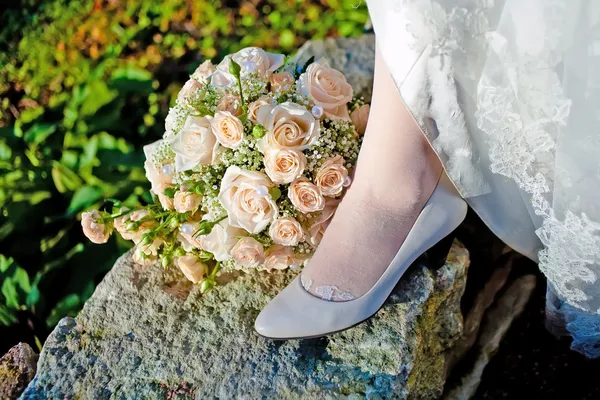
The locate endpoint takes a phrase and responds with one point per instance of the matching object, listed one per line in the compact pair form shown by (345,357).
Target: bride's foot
(396,174)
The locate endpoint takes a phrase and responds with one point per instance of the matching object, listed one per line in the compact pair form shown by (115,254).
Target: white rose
(288,125)
(331,177)
(306,196)
(248,252)
(159,176)
(328,88)
(228,129)
(221,240)
(251,60)
(205,70)
(322,221)
(195,144)
(281,257)
(193,269)
(284,165)
(189,90)
(245,196)
(286,231)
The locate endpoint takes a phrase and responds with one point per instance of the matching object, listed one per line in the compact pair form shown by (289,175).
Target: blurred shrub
(83,86)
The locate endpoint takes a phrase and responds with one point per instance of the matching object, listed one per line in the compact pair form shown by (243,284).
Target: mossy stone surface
(146,333)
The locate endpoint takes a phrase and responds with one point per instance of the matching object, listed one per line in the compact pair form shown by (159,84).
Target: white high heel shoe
(296,314)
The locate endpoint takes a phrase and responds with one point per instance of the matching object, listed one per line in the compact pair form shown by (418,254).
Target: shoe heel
(438,254)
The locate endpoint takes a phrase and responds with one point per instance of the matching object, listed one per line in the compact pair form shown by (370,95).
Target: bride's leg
(396,173)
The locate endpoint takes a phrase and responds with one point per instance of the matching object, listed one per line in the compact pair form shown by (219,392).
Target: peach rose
(284,165)
(134,216)
(186,201)
(189,90)
(248,252)
(228,129)
(251,60)
(192,267)
(331,176)
(321,222)
(195,144)
(328,88)
(359,118)
(205,70)
(306,196)
(288,125)
(158,175)
(93,228)
(221,240)
(256,105)
(281,81)
(286,231)
(231,104)
(245,196)
(281,257)
(146,254)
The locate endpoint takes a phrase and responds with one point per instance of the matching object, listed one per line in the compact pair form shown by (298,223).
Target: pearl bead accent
(262,191)
(347,181)
(188,229)
(167,169)
(317,111)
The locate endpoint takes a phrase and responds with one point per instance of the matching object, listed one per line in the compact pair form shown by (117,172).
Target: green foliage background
(83,86)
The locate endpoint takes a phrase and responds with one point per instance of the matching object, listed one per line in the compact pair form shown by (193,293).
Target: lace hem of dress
(327,292)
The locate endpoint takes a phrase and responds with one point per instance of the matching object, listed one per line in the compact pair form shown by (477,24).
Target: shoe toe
(290,315)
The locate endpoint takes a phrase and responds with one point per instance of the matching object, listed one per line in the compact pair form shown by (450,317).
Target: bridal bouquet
(250,170)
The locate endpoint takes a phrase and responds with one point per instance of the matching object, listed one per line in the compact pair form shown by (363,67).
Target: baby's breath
(286,208)
(337,137)
(246,156)
(163,154)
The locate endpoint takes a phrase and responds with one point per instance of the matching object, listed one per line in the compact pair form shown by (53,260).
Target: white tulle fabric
(508,94)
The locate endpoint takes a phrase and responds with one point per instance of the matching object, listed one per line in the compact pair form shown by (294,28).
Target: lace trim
(521,107)
(327,292)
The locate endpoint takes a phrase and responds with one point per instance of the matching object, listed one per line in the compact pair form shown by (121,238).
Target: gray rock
(17,369)
(146,333)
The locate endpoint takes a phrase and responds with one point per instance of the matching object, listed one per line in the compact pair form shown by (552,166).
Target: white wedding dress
(508,94)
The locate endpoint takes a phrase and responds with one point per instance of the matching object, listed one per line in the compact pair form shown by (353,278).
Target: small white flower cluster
(253,163)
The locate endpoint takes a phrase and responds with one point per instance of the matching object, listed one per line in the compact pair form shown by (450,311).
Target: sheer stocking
(396,173)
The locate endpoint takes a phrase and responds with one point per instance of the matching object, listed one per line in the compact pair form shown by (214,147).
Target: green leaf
(99,94)
(234,68)
(39,132)
(64,179)
(84,197)
(5,151)
(21,279)
(9,291)
(33,297)
(7,316)
(89,152)
(69,305)
(131,79)
(5,263)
